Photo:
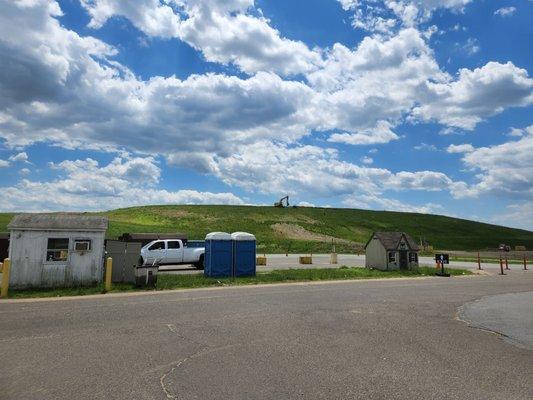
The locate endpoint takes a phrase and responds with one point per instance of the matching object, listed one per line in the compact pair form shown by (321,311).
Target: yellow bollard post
(5,278)
(333,258)
(108,273)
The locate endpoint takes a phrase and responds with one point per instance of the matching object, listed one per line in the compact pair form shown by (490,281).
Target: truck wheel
(200,263)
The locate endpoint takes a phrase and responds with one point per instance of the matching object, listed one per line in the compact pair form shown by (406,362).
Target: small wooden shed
(56,250)
(390,251)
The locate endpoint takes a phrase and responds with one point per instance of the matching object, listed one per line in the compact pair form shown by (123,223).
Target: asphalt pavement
(509,315)
(372,339)
(282,261)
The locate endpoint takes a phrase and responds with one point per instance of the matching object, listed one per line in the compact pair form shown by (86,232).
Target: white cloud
(19,157)
(318,172)
(78,97)
(505,11)
(24,172)
(504,170)
(387,204)
(460,148)
(305,204)
(245,131)
(4,163)
(367,160)
(518,215)
(222,30)
(365,92)
(84,185)
(519,132)
(475,95)
(151,16)
(426,147)
(383,16)
(471,46)
(382,133)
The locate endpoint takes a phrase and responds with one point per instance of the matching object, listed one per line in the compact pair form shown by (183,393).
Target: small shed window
(413,257)
(392,256)
(57,249)
(82,245)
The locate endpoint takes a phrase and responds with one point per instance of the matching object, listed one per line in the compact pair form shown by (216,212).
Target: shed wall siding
(30,268)
(375,255)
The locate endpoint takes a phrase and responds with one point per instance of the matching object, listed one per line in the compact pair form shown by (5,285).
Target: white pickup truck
(174,252)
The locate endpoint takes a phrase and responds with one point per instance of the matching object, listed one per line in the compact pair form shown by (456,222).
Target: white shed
(56,250)
(391,250)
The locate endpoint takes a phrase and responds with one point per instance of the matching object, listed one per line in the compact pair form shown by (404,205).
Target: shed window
(57,249)
(82,245)
(392,256)
(413,257)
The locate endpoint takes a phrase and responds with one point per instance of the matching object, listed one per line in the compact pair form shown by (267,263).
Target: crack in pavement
(197,354)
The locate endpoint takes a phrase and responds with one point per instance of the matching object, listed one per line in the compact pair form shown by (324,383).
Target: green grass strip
(168,282)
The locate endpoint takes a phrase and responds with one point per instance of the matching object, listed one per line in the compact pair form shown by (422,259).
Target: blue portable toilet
(243,253)
(218,255)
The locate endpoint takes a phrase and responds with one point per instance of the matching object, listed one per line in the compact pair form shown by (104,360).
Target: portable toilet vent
(218,255)
(244,260)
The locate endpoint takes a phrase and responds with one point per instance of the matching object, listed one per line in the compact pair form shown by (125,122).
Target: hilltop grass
(354,227)
(168,282)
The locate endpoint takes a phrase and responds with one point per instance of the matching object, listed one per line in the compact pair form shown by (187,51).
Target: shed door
(403,260)
(125,256)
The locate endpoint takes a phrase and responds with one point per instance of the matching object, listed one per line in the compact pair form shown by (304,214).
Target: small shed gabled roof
(58,222)
(390,240)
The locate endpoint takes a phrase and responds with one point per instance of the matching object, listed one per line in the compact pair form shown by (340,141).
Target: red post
(478,261)
(501,266)
(525,263)
(506,263)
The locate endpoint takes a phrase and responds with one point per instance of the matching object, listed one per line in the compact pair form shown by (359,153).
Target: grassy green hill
(309,229)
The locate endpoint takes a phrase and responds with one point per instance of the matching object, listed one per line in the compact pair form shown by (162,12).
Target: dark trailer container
(244,261)
(4,245)
(145,238)
(218,255)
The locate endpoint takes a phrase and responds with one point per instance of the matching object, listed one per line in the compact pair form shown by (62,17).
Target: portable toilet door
(244,261)
(218,255)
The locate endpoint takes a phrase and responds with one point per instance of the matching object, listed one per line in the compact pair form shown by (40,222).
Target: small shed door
(404,264)
(125,256)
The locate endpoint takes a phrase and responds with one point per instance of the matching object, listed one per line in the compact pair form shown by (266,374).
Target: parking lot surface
(379,339)
(282,261)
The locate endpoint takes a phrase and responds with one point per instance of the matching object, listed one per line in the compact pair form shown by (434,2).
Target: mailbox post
(442,259)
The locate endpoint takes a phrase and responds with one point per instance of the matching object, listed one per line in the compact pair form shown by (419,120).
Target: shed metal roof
(390,240)
(59,221)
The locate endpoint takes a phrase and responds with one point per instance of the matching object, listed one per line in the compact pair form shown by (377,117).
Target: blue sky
(407,105)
